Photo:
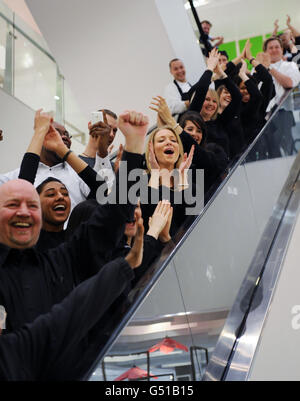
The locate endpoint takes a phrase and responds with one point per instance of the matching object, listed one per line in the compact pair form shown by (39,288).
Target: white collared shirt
(288,68)
(77,188)
(173,97)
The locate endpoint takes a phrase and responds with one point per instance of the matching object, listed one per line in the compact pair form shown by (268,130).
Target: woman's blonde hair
(151,139)
(214,94)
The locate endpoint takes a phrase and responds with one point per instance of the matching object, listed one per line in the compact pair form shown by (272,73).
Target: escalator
(181,321)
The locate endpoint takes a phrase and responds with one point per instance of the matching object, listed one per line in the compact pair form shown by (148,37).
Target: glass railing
(170,323)
(30,73)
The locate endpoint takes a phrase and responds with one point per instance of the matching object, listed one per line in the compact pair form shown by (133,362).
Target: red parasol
(167,345)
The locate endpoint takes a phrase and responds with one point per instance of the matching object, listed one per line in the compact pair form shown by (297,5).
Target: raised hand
(246,53)
(159,218)
(219,73)
(53,141)
(152,158)
(101,132)
(183,168)
(243,69)
(213,59)
(163,111)
(288,20)
(264,59)
(135,255)
(276,27)
(42,122)
(164,236)
(134,127)
(187,160)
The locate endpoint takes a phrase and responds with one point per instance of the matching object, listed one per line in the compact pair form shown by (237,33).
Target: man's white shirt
(288,68)
(173,97)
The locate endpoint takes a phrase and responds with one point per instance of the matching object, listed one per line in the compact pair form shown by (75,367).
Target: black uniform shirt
(32,281)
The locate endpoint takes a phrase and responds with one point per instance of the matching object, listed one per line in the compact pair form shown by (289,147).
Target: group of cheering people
(85,257)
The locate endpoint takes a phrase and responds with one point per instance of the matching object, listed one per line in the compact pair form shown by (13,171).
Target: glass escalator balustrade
(29,73)
(198,277)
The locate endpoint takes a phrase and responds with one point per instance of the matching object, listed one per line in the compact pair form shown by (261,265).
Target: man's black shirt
(32,281)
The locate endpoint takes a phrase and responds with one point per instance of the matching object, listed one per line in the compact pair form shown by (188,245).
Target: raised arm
(164,116)
(94,241)
(54,143)
(50,348)
(255,100)
(294,31)
(201,87)
(30,162)
(261,64)
(282,79)
(276,27)
(234,106)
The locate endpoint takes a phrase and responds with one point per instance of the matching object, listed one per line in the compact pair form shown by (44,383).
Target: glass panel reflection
(274,154)
(156,343)
(35,76)
(219,252)
(6,56)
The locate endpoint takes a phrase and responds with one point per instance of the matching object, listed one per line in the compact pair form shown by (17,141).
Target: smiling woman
(55,203)
(167,167)
(164,150)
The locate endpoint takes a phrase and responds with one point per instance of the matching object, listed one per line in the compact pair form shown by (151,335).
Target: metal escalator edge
(235,349)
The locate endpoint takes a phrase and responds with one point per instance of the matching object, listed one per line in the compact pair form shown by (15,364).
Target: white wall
(113,54)
(16,121)
(182,37)
(277,356)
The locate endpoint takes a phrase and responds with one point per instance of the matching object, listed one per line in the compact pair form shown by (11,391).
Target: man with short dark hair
(285,74)
(205,40)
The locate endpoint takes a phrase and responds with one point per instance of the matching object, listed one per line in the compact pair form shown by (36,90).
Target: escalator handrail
(172,248)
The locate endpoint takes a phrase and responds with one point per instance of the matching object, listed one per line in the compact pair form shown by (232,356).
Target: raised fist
(134,127)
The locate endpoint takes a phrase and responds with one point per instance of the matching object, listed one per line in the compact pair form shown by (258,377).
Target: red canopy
(167,345)
(134,373)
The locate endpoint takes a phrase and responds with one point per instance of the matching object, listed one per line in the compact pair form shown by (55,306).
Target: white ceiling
(239,19)
(113,54)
